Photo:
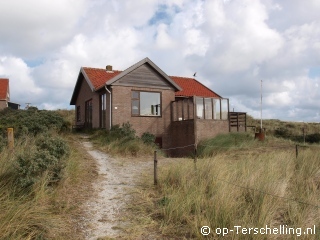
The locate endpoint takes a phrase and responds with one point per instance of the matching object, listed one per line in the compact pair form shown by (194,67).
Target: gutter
(110,105)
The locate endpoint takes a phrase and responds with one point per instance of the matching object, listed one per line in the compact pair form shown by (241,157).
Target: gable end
(144,76)
(156,71)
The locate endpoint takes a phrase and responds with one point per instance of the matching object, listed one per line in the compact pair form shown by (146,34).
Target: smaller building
(5,95)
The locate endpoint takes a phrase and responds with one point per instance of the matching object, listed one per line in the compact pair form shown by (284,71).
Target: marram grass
(272,188)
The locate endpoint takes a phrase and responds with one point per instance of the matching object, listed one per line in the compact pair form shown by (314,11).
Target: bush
(124,133)
(282,132)
(148,138)
(31,121)
(313,138)
(55,146)
(122,140)
(46,158)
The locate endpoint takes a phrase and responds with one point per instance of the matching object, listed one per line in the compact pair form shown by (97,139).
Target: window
(145,103)
(200,108)
(217,109)
(224,109)
(78,114)
(212,108)
(103,109)
(208,108)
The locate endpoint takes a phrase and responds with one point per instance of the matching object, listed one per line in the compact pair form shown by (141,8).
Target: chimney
(109,68)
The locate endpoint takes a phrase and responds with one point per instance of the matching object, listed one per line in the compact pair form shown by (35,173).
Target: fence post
(155,168)
(296,150)
(10,139)
(195,156)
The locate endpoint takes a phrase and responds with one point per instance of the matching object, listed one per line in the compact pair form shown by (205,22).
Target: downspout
(110,105)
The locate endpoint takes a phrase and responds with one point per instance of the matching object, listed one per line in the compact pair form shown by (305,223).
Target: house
(178,111)
(5,95)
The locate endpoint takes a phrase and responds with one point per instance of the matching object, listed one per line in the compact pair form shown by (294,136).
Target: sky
(231,44)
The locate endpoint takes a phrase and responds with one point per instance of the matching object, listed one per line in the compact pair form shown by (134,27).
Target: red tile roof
(190,87)
(99,77)
(4,87)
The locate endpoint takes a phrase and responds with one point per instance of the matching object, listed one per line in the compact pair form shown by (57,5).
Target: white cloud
(240,36)
(22,86)
(163,40)
(231,45)
(32,28)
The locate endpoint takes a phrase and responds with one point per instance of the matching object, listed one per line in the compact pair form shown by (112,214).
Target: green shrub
(127,130)
(282,132)
(56,147)
(47,158)
(148,138)
(31,121)
(3,142)
(124,133)
(313,138)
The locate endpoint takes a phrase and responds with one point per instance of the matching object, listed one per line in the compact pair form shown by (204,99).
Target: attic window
(145,103)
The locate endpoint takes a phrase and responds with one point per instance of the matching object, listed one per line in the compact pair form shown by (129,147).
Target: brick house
(4,93)
(178,111)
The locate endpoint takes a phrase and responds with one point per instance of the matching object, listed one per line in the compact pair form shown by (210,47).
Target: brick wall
(121,112)
(3,104)
(86,94)
(210,128)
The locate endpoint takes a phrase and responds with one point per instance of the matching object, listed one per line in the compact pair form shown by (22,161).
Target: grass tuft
(270,187)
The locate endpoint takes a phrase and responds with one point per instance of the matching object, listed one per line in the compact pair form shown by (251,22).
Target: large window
(217,108)
(224,109)
(200,108)
(212,108)
(145,103)
(208,108)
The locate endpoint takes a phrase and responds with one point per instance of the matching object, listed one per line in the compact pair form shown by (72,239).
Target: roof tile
(99,77)
(190,86)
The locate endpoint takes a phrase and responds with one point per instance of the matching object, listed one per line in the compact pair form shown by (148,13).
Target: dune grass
(45,210)
(270,187)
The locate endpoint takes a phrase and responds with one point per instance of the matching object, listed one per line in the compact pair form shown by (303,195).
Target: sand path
(105,210)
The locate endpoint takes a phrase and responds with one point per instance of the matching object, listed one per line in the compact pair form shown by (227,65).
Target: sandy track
(106,208)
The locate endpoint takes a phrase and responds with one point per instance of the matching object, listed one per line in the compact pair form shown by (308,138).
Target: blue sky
(232,45)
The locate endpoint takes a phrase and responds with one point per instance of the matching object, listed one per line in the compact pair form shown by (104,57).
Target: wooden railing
(237,120)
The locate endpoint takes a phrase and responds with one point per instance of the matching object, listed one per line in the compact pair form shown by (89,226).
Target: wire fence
(294,147)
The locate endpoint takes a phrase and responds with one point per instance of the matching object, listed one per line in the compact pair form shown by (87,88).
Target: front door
(88,114)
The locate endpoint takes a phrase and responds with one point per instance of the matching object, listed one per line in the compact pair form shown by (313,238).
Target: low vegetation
(39,177)
(294,131)
(122,140)
(237,182)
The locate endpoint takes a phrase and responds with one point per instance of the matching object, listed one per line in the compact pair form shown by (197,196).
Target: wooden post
(155,168)
(237,122)
(195,157)
(297,151)
(10,139)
